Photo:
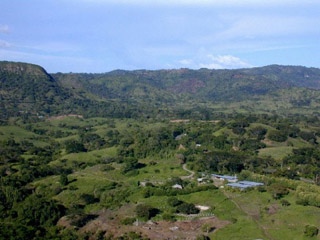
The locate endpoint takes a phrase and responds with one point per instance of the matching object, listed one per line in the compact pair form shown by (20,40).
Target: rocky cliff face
(23,69)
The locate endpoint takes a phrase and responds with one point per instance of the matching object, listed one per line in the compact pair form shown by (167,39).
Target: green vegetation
(114,154)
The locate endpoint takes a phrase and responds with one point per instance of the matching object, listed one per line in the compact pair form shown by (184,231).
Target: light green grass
(19,134)
(88,157)
(163,170)
(285,222)
(276,152)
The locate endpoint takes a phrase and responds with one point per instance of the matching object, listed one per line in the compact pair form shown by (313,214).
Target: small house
(177,186)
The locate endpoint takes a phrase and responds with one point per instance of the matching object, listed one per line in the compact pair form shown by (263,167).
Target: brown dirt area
(109,221)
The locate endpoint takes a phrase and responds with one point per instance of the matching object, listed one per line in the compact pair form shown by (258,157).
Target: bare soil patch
(109,221)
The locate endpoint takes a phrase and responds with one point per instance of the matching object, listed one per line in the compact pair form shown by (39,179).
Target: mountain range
(27,89)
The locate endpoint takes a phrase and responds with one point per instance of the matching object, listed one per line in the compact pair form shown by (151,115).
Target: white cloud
(224,61)
(186,62)
(216,62)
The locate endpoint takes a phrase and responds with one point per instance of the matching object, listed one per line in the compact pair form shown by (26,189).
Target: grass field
(250,214)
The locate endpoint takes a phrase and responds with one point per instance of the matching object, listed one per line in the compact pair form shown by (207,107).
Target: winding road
(184,166)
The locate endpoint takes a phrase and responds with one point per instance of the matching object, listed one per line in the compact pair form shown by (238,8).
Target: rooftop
(245,184)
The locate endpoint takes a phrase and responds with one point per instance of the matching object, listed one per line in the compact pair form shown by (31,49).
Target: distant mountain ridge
(205,81)
(166,93)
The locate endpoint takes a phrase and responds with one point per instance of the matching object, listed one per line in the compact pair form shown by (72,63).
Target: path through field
(184,166)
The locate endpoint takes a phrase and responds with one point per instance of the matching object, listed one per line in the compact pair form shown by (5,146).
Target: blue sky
(103,35)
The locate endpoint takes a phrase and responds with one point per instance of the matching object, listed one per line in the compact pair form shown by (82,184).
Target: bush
(202,237)
(278,190)
(82,219)
(187,208)
(88,198)
(64,179)
(311,231)
(128,221)
(107,168)
(174,202)
(168,217)
(284,202)
(278,136)
(146,212)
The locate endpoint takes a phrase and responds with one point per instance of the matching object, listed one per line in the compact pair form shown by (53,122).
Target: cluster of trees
(181,206)
(227,146)
(24,213)
(308,195)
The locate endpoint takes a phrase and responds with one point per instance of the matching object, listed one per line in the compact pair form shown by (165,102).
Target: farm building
(245,184)
(231,179)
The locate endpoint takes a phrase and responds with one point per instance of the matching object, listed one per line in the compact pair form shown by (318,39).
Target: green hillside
(282,89)
(28,89)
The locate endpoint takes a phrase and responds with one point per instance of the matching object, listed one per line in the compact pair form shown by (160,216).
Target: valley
(130,154)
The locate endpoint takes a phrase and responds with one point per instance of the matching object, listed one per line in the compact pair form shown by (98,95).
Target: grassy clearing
(15,132)
(276,152)
(19,134)
(163,170)
(91,157)
(276,221)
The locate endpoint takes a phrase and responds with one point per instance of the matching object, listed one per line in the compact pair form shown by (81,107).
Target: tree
(38,211)
(187,208)
(73,146)
(311,231)
(277,135)
(285,202)
(202,237)
(145,211)
(258,132)
(308,136)
(174,202)
(64,179)
(278,190)
(130,164)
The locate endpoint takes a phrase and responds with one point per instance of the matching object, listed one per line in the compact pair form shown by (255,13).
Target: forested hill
(204,84)
(166,93)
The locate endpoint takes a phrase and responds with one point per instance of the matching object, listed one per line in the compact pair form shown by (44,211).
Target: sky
(98,36)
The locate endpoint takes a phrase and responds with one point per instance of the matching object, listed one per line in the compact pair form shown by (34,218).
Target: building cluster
(233,181)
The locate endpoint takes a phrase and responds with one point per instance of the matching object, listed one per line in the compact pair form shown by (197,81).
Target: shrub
(311,231)
(107,168)
(278,190)
(278,136)
(174,202)
(168,217)
(284,202)
(146,212)
(128,221)
(187,208)
(202,237)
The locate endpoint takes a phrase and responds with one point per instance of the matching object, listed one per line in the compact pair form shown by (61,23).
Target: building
(230,179)
(245,184)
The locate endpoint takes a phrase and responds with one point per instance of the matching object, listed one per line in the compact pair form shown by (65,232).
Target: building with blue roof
(245,184)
